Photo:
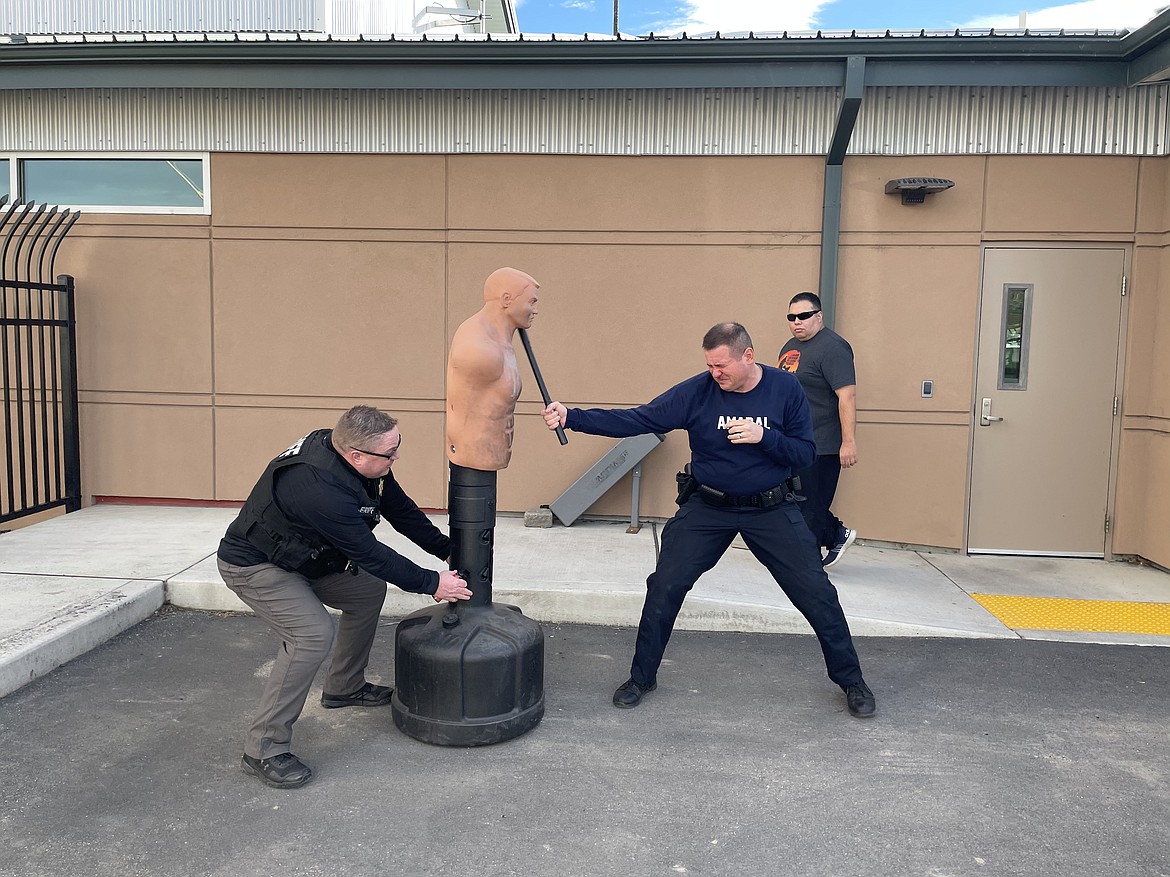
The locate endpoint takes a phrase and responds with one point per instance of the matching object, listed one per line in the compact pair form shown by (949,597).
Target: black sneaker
(860,700)
(368,695)
(284,771)
(630,694)
(839,548)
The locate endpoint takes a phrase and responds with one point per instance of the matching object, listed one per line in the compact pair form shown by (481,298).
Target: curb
(75,630)
(606,608)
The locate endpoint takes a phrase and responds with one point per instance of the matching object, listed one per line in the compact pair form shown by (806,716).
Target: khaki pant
(294,607)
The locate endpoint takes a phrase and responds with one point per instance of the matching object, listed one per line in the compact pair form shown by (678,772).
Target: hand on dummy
(555,414)
(745,432)
(451,588)
(848,454)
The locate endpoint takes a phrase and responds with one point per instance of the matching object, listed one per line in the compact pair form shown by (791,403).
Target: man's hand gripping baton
(564,440)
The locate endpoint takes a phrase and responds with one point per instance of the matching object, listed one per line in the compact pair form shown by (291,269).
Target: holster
(687,484)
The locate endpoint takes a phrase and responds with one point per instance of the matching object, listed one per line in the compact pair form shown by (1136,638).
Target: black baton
(564,440)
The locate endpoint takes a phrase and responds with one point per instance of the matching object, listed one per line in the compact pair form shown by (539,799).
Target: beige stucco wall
(208,344)
(908,301)
(143,348)
(1143,511)
(908,294)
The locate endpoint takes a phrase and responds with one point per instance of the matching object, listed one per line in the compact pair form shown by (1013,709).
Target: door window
(1015,329)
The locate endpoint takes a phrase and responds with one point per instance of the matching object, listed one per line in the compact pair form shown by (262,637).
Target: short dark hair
(361,424)
(811,297)
(733,336)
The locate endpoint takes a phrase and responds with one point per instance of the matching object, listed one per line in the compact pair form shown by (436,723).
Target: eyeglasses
(393,455)
(803,315)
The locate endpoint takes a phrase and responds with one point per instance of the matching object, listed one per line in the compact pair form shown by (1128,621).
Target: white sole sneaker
(838,550)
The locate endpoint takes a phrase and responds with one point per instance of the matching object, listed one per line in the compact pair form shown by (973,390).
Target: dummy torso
(483,379)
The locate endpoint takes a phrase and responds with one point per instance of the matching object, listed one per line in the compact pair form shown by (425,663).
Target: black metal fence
(38,359)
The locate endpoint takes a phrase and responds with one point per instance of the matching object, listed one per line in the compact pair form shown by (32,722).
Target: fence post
(70,426)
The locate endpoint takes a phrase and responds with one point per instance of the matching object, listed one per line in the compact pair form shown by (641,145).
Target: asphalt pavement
(128,677)
(987,756)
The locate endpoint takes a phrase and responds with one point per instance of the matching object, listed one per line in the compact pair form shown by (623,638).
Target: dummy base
(468,675)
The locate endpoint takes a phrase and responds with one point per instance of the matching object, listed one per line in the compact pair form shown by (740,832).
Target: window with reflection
(1014,337)
(114,182)
(5,183)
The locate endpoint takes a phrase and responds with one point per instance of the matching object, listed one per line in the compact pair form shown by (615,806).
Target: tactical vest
(286,544)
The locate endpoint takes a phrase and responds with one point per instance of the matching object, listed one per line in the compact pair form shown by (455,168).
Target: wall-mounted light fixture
(915,189)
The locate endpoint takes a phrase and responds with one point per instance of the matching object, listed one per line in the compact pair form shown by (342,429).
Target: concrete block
(541,517)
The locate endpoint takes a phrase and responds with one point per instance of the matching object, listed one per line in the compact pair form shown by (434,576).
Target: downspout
(834,167)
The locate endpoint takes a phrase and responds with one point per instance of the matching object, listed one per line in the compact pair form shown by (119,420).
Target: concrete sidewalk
(73,582)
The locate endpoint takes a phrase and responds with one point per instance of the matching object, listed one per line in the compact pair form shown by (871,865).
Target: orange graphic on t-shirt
(789,361)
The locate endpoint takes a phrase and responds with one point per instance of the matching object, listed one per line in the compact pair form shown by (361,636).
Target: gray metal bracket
(602,475)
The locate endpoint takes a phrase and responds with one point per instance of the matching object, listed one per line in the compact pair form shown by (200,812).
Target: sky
(703,16)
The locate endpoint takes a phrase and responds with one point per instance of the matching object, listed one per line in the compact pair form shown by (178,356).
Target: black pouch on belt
(323,563)
(687,484)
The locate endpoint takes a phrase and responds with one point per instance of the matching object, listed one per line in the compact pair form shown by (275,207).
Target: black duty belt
(324,562)
(763,500)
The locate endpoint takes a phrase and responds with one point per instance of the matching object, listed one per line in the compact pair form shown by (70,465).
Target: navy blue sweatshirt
(705,411)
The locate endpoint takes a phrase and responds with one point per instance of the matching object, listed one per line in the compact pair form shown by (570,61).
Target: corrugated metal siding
(189,16)
(893,121)
(1033,120)
(594,122)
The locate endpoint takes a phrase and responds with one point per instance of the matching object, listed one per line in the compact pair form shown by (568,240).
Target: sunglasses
(393,455)
(803,315)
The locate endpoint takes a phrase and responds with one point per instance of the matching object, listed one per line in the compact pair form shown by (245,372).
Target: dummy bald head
(507,282)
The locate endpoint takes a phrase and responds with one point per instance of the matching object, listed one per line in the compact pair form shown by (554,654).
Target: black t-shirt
(823,364)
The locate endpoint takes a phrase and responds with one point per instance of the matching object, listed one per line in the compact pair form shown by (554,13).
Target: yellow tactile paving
(1097,616)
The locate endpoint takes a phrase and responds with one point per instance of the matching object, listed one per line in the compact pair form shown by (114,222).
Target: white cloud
(699,16)
(586,5)
(1086,15)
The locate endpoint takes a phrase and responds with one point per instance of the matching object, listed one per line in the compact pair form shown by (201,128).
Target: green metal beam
(834,173)
(1153,66)
(998,72)
(1147,51)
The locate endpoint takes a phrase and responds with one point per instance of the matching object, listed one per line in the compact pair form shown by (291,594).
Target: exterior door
(1044,401)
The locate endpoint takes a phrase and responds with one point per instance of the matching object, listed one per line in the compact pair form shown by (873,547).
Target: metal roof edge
(164,47)
(1153,33)
(291,59)
(1147,50)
